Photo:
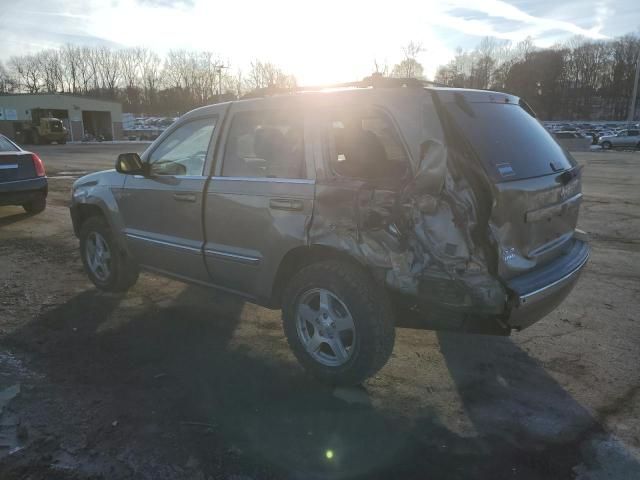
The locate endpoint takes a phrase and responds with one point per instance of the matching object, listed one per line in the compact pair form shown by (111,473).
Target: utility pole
(219,68)
(632,110)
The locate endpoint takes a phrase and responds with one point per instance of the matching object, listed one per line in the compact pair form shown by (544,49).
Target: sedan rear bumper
(541,291)
(20,192)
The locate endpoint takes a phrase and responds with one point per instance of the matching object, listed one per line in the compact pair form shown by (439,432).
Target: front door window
(184,151)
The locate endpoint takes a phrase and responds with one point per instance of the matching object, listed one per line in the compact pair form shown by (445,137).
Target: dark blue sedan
(23,180)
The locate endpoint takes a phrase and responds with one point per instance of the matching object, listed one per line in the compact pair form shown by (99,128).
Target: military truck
(42,128)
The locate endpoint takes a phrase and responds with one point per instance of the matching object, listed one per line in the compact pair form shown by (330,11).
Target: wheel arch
(302,256)
(82,212)
(104,208)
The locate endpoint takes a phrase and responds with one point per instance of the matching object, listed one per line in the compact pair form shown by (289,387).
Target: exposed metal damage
(417,237)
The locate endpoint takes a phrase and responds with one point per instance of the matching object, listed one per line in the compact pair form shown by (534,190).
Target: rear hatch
(536,183)
(16,166)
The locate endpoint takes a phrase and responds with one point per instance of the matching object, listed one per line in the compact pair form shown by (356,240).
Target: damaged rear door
(366,164)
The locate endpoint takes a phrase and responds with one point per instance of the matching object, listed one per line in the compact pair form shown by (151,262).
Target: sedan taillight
(38,165)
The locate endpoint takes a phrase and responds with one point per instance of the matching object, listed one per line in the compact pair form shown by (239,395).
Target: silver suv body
(353,210)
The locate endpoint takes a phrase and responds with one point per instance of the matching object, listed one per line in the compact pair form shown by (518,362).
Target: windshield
(55,125)
(511,144)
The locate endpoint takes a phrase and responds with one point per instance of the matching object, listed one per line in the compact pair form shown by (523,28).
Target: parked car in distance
(23,179)
(624,138)
(573,141)
(353,210)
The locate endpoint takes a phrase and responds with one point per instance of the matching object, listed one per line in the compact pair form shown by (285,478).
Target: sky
(317,41)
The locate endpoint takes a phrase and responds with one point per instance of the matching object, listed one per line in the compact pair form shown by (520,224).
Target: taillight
(38,165)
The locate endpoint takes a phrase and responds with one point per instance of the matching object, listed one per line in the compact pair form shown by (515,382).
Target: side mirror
(130,164)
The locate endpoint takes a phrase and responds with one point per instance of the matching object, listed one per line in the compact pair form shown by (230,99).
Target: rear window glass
(511,144)
(6,145)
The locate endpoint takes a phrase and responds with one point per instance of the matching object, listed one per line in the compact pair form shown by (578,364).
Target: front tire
(36,205)
(606,145)
(338,322)
(106,264)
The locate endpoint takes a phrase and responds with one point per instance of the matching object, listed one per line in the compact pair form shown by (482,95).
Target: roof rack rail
(372,81)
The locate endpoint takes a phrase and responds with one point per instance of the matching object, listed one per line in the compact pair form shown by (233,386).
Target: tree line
(146,83)
(138,77)
(579,79)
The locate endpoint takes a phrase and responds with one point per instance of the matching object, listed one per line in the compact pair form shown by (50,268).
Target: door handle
(286,204)
(184,197)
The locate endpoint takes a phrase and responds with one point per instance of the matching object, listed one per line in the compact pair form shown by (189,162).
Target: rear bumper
(539,292)
(22,191)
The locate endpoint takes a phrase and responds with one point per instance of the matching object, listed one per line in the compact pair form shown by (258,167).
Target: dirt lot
(179,382)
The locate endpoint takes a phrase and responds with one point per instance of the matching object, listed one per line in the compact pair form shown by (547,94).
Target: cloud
(54,14)
(491,15)
(167,3)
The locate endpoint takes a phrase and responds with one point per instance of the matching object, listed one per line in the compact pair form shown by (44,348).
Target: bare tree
(86,71)
(130,62)
(71,63)
(409,67)
(7,83)
(26,70)
(266,75)
(380,68)
(109,68)
(485,60)
(150,71)
(51,71)
(94,69)
(237,83)
(523,48)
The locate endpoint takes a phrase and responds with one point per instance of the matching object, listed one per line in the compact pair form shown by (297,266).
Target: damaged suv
(353,210)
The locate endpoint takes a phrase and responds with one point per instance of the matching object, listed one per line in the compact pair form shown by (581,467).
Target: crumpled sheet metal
(429,234)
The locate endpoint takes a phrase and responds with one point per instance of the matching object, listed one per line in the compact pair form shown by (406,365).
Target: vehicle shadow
(526,421)
(178,387)
(6,220)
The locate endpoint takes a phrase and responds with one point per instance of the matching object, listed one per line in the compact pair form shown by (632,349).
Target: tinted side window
(6,145)
(365,144)
(634,133)
(184,151)
(268,143)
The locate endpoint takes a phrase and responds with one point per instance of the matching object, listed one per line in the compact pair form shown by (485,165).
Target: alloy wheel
(98,255)
(325,327)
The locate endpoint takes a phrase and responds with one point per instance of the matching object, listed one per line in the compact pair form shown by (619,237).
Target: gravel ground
(171,381)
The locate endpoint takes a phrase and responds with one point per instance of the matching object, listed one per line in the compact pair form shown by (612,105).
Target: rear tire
(37,205)
(108,267)
(350,294)
(606,145)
